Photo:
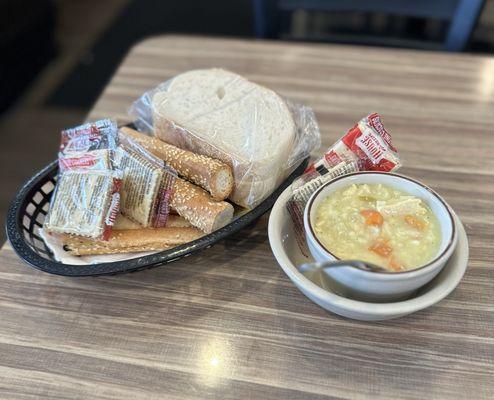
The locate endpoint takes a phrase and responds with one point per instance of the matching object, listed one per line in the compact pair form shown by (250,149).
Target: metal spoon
(364,266)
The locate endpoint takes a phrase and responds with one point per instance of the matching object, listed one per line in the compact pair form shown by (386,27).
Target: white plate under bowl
(317,288)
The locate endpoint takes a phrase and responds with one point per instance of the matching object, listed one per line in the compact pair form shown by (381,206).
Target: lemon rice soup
(379,224)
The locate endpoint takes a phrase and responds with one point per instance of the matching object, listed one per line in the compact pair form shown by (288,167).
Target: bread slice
(223,115)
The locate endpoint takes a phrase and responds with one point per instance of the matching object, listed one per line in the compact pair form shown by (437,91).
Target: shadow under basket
(30,207)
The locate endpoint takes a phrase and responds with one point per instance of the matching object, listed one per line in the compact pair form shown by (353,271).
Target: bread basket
(29,208)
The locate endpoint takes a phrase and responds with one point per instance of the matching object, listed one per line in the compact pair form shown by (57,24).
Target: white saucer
(315,287)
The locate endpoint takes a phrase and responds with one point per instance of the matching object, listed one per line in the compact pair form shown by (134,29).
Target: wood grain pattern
(227,323)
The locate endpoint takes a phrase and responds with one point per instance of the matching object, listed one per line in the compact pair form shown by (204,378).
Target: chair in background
(460,15)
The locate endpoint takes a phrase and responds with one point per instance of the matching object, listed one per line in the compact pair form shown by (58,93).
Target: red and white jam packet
(88,146)
(365,147)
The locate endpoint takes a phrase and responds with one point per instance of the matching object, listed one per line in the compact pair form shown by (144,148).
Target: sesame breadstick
(197,206)
(173,221)
(131,241)
(213,175)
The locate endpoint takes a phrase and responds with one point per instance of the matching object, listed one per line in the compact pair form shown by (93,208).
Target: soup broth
(379,224)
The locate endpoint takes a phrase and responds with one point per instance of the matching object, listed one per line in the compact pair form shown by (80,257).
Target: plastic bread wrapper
(365,147)
(255,178)
(147,185)
(89,146)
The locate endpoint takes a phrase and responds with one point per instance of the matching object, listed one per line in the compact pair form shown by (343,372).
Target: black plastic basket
(30,206)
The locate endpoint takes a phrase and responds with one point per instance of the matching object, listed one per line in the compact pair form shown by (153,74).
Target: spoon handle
(340,263)
(321,265)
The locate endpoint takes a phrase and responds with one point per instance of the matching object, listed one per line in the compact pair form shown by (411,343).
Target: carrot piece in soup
(372,217)
(415,222)
(381,248)
(395,265)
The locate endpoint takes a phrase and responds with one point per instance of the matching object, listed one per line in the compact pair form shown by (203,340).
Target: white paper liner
(54,243)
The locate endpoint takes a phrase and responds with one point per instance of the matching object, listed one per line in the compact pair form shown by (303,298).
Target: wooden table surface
(227,323)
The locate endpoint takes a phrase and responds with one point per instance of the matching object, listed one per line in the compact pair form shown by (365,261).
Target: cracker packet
(365,147)
(86,199)
(85,203)
(147,184)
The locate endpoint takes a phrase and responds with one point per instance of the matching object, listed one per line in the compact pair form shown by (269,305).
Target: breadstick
(131,241)
(197,206)
(211,174)
(173,221)
(176,221)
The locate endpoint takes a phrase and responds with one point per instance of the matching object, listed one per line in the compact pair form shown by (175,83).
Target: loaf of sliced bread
(223,115)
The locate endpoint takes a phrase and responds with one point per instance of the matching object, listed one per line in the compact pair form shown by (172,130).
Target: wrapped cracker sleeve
(147,184)
(85,202)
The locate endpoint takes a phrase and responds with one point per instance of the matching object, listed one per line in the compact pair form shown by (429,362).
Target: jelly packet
(147,184)
(88,146)
(365,147)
